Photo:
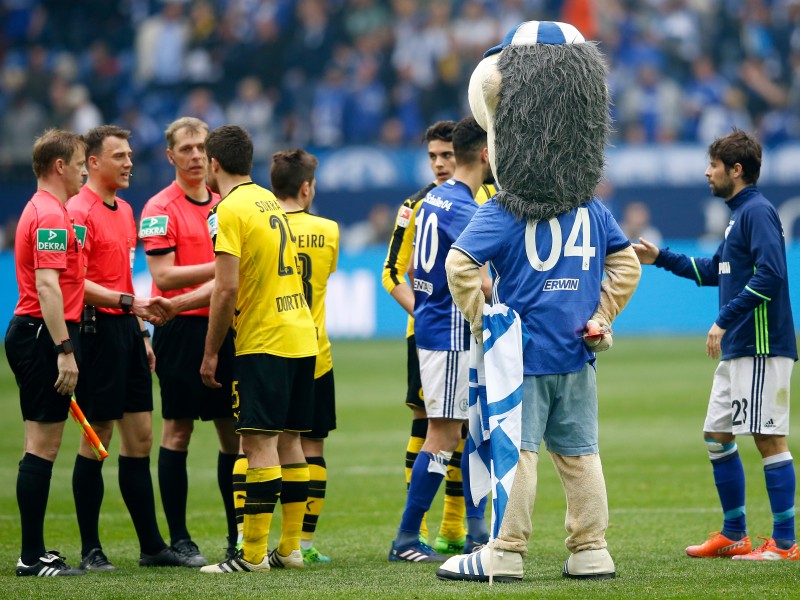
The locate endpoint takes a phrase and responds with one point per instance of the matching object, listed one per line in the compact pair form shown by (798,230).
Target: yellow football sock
(318,481)
(263,488)
(239,493)
(294,494)
(452,526)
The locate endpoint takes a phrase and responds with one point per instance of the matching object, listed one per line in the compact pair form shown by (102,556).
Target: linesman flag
(495,408)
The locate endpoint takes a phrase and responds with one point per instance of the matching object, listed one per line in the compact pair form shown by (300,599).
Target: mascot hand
(477,328)
(597,337)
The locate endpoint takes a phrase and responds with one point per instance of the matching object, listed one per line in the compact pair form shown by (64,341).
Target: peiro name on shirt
(438,202)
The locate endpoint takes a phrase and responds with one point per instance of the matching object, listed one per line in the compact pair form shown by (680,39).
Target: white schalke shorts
(750,395)
(445,383)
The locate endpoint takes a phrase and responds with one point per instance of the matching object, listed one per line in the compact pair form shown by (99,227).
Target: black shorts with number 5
(273,393)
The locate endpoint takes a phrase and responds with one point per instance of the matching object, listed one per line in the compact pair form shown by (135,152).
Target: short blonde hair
(193,124)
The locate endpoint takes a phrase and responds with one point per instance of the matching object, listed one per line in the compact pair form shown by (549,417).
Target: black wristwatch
(65,347)
(126,302)
(145,333)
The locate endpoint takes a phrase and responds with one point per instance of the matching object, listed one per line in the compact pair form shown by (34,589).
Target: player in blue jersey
(442,337)
(753,335)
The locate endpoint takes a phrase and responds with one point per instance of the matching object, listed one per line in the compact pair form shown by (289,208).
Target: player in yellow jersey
(257,285)
(317,239)
(439,138)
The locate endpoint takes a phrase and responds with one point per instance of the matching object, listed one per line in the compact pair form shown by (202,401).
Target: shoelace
(765,546)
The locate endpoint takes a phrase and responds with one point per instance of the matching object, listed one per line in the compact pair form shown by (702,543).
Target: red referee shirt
(109,241)
(172,222)
(45,240)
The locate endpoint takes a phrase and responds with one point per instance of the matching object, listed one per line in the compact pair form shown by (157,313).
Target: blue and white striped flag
(495,408)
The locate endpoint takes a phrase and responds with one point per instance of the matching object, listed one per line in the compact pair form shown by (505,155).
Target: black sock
(174,484)
(87,490)
(225,464)
(33,488)
(136,486)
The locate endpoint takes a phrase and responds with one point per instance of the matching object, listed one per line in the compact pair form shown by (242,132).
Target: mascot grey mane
(542,97)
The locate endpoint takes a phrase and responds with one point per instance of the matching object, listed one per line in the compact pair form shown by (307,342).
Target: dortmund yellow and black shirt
(317,241)
(401,244)
(272,315)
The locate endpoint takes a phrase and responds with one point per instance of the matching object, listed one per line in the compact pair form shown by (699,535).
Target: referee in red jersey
(180,256)
(42,338)
(116,386)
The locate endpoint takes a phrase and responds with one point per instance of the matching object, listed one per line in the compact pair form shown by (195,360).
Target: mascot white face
(541,96)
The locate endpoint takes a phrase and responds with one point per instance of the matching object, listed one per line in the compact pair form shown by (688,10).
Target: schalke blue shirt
(443,214)
(550,273)
(750,269)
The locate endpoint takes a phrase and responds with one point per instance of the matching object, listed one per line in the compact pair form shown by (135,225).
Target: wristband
(65,347)
(126,302)
(145,333)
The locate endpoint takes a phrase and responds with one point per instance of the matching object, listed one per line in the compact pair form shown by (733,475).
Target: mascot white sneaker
(561,262)
(504,566)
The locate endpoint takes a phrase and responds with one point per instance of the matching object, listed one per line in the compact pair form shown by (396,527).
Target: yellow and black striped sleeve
(401,244)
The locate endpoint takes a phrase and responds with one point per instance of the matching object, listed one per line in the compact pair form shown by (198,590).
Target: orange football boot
(769,551)
(718,546)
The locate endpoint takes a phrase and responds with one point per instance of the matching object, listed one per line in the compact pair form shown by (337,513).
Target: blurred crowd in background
(327,73)
(324,74)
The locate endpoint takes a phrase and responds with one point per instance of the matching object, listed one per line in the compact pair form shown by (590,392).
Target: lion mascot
(560,260)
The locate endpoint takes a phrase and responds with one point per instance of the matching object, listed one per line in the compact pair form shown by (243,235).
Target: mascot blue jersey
(549,272)
(442,216)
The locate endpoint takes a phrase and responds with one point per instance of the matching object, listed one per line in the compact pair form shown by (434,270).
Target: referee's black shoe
(189,550)
(50,565)
(166,557)
(96,560)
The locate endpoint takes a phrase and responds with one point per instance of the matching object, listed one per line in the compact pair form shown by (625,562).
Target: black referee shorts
(31,354)
(273,393)
(115,375)
(414,397)
(179,347)
(324,420)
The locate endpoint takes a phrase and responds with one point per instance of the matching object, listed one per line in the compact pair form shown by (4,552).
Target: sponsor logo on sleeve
(80,233)
(213,225)
(152,226)
(51,240)
(404,217)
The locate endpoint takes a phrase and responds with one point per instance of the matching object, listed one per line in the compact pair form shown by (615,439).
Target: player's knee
(718,450)
(177,434)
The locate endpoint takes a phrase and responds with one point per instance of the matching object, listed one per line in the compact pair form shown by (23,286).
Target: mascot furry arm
(570,166)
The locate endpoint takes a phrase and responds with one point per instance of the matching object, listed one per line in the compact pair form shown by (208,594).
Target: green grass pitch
(653,396)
